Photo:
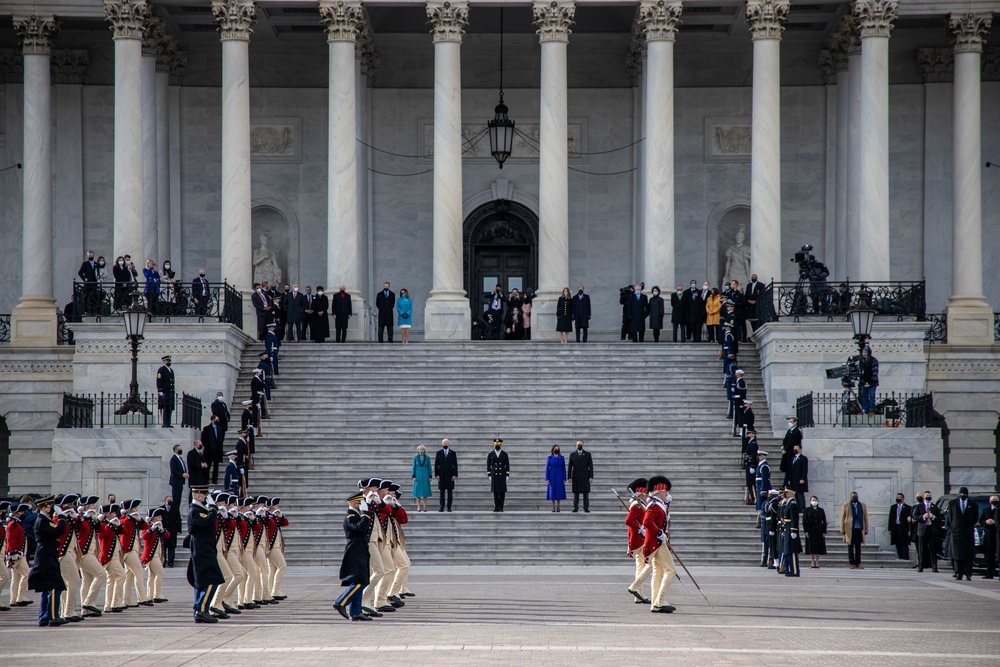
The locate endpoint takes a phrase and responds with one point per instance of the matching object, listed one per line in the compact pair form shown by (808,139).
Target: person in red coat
(107,537)
(4,571)
(15,558)
(69,557)
(93,573)
(132,527)
(656,543)
(273,523)
(633,519)
(153,536)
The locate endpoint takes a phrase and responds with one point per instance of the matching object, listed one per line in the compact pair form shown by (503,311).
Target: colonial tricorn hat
(386,484)
(394,487)
(244,502)
(69,498)
(4,504)
(23,507)
(159,511)
(368,482)
(274,501)
(260,500)
(638,486)
(90,500)
(114,507)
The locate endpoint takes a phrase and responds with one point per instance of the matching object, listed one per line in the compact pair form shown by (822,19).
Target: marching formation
(648,522)
(375,568)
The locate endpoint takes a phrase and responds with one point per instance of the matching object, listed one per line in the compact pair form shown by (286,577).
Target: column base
(249,316)
(543,316)
(357,329)
(34,323)
(970,321)
(447,316)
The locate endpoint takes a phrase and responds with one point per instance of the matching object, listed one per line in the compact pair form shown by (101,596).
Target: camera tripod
(849,403)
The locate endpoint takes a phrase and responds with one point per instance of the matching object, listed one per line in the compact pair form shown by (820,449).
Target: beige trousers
(378,571)
(663,573)
(233,557)
(94,576)
(382,592)
(19,580)
(260,586)
(133,578)
(249,574)
(154,577)
(227,575)
(275,570)
(642,571)
(4,576)
(69,566)
(402,564)
(114,592)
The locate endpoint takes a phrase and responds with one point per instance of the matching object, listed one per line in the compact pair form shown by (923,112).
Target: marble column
(874,19)
(970,318)
(838,49)
(235,18)
(165,50)
(34,321)
(765,19)
(343,21)
(553,18)
(852,255)
(150,182)
(447,314)
(128,21)
(659,20)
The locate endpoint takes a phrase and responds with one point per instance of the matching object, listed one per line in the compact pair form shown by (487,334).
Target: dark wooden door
(507,266)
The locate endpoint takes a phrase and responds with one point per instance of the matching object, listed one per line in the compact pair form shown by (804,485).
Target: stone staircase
(343,412)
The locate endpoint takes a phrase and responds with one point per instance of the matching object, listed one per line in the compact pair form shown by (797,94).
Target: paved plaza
(556,616)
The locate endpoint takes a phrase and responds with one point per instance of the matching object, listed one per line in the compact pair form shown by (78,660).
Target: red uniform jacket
(655,523)
(86,530)
(67,535)
(150,543)
(243,526)
(636,513)
(258,529)
(229,529)
(15,537)
(399,514)
(108,540)
(129,532)
(274,525)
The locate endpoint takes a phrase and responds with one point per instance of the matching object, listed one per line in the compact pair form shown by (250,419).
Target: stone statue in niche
(265,264)
(738,259)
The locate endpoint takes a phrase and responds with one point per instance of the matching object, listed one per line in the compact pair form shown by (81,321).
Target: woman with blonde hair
(421,474)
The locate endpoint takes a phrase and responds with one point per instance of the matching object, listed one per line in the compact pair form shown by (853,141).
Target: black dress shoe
(665,609)
(133,606)
(449,509)
(3,608)
(117,610)
(147,603)
(56,622)
(94,611)
(342,610)
(74,619)
(43,624)
(280,597)
(360,617)
(371,612)
(22,603)
(202,617)
(218,613)
(230,610)
(386,607)
(968,577)
(441,510)
(160,600)
(408,595)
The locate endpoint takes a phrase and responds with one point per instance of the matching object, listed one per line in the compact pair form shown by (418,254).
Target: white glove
(209,502)
(241,471)
(795,535)
(115,522)
(224,512)
(363,506)
(58,511)
(161,393)
(642,530)
(371,498)
(670,499)
(753,470)
(99,517)
(278,513)
(770,532)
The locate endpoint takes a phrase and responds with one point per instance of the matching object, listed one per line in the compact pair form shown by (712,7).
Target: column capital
(342,19)
(553,18)
(35,33)
(766,18)
(234,18)
(166,52)
(839,44)
(937,64)
(874,17)
(177,64)
(827,62)
(127,17)
(367,51)
(659,19)
(69,65)
(968,31)
(850,35)
(635,54)
(154,32)
(447,19)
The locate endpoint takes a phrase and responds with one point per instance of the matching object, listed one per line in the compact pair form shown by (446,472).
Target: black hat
(355,496)
(964,490)
(108,509)
(386,484)
(23,507)
(367,482)
(134,503)
(4,504)
(90,500)
(658,483)
(394,487)
(260,500)
(201,488)
(638,486)
(159,511)
(245,502)
(69,498)
(273,502)
(45,500)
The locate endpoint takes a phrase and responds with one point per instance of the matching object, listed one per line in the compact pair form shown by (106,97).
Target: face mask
(580,448)
(556,453)
(814,503)
(341,291)
(693,286)
(121,263)
(705,286)
(680,291)
(927,499)
(854,499)
(656,293)
(565,293)
(423,454)
(791,424)
(201,275)
(296,290)
(166,266)
(100,263)
(899,500)
(319,293)
(446,448)
(964,497)
(497,448)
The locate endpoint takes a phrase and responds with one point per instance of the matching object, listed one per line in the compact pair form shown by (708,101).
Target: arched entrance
(500,247)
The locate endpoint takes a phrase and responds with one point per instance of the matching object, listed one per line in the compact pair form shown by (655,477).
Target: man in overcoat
(354,568)
(962,516)
(204,573)
(581,471)
(46,576)
(385,302)
(498,469)
(446,472)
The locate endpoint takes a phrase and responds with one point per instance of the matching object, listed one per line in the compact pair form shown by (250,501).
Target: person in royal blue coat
(555,478)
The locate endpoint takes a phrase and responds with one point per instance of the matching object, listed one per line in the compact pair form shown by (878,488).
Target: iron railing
(64,335)
(844,409)
(4,327)
(99,411)
(104,299)
(937,330)
(832,300)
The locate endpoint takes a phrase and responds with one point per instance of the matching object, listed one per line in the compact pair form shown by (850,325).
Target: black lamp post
(501,128)
(862,318)
(135,322)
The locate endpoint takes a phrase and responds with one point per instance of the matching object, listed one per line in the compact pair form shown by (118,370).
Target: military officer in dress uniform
(636,537)
(45,576)
(233,476)
(738,399)
(243,459)
(69,552)
(93,573)
(498,470)
(203,568)
(153,537)
(767,527)
(762,479)
(260,553)
(355,568)
(656,543)
(228,598)
(271,346)
(165,390)
(791,543)
(215,605)
(107,537)
(750,468)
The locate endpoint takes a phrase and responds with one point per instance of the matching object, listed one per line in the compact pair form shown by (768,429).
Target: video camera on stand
(849,374)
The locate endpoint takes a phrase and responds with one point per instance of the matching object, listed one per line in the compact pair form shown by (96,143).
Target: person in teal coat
(404,309)
(423,467)
(555,478)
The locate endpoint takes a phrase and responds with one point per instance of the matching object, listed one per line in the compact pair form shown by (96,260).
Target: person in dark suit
(445,472)
(221,410)
(748,419)
(564,315)
(988,520)
(962,516)
(354,568)
(927,518)
(752,294)
(201,295)
(211,439)
(581,313)
(294,304)
(797,477)
(739,311)
(88,269)
(231,482)
(342,313)
(262,304)
(677,315)
(123,282)
(638,312)
(694,312)
(204,573)
(385,302)
(899,527)
(498,470)
(495,301)
(581,471)
(178,473)
(657,309)
(172,523)
(165,390)
(307,313)
(197,467)
(320,323)
(793,436)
